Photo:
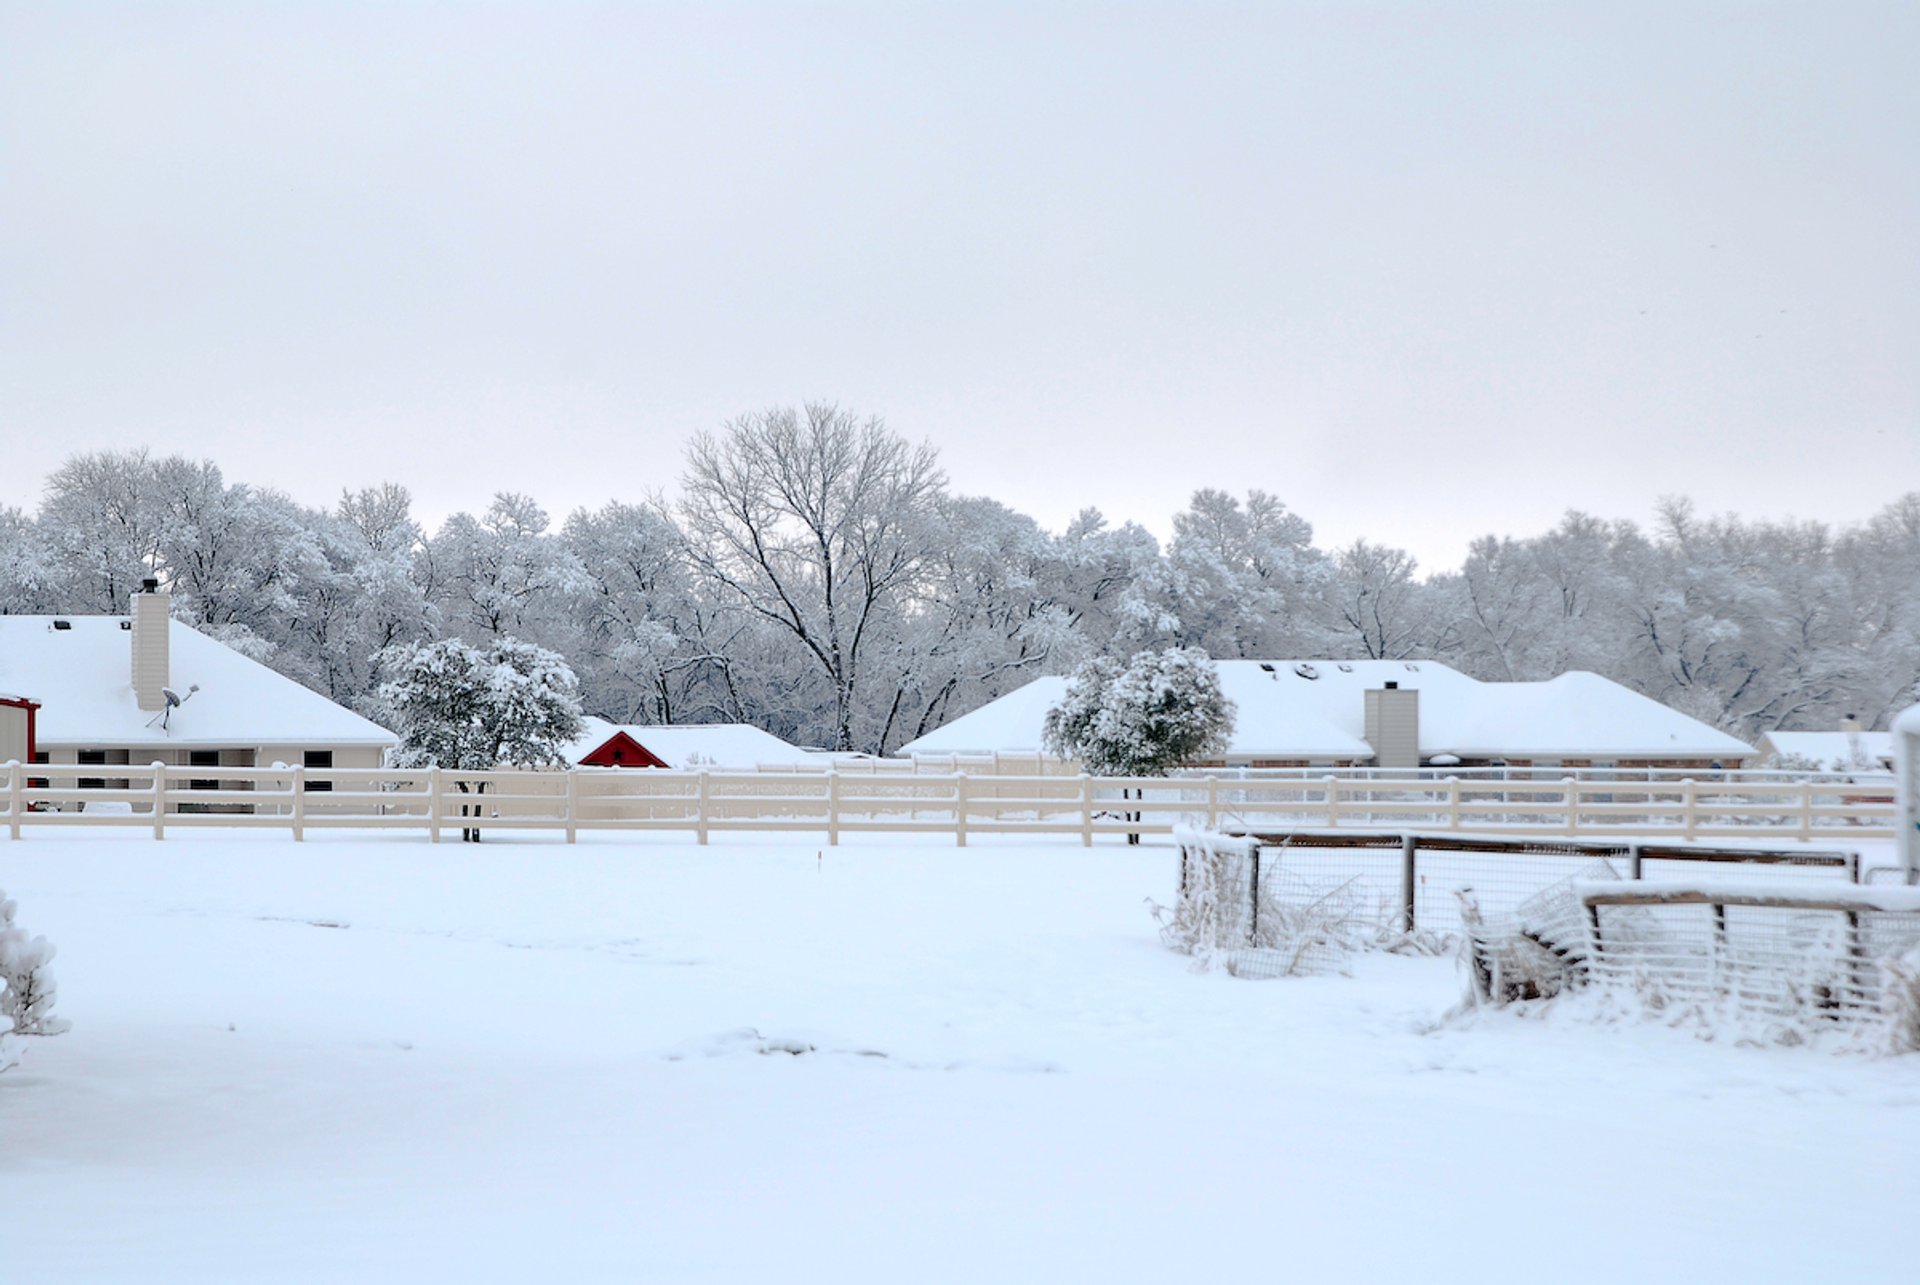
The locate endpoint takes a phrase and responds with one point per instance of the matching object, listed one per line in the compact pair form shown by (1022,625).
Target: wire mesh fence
(1764,945)
(1754,959)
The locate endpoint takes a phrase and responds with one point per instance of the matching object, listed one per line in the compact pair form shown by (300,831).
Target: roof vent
(1393,687)
(127,625)
(1343,667)
(1305,670)
(1264,665)
(63,624)
(1413,667)
(150,585)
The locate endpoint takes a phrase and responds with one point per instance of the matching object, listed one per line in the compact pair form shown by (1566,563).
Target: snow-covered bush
(1535,953)
(1257,919)
(26,984)
(1900,1000)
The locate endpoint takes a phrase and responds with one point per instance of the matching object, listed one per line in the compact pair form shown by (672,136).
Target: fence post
(573,803)
(1634,862)
(960,809)
(1572,788)
(833,808)
(1086,810)
(1689,818)
(1408,849)
(1253,928)
(1453,802)
(1806,809)
(705,796)
(1333,802)
(299,802)
(159,799)
(434,797)
(16,797)
(1213,805)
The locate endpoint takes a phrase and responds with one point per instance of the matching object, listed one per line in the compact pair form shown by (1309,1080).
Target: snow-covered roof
(1826,748)
(1265,724)
(1292,709)
(83,678)
(681,745)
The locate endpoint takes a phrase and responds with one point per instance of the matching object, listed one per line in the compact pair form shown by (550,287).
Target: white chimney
(152,611)
(1393,725)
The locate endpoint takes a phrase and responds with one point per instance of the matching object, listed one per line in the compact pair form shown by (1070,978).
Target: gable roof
(1266,724)
(83,678)
(1291,709)
(683,745)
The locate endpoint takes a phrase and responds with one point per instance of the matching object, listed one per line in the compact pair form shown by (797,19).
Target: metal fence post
(1253,926)
(1408,848)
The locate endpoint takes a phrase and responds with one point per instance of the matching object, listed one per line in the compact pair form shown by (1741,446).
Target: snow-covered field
(376,1059)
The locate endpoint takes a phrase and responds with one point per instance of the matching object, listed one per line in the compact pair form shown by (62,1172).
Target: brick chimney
(152,611)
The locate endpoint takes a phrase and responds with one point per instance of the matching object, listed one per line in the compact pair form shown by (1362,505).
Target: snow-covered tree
(815,522)
(1141,717)
(472,709)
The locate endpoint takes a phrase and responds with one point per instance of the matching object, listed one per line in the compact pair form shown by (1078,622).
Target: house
(1390,713)
(145,688)
(1847,750)
(738,746)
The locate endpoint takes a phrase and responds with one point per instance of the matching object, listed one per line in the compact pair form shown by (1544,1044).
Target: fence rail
(959,804)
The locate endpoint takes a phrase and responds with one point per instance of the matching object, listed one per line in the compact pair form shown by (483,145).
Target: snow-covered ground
(376,1059)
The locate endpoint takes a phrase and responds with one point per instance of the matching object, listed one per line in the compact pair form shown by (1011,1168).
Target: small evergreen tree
(26,985)
(473,709)
(1141,717)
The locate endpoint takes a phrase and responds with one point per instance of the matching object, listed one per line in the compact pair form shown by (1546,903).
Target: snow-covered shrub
(26,984)
(1900,1000)
(1254,917)
(1535,953)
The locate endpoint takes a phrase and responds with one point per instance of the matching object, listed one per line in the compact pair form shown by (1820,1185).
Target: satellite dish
(174,700)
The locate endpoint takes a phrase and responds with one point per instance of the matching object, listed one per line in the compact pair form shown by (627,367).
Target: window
(318,758)
(203,758)
(92,758)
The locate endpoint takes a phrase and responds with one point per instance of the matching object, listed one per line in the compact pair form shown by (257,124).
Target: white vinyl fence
(905,801)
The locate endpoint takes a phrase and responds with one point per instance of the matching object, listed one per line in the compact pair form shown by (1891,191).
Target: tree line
(815,575)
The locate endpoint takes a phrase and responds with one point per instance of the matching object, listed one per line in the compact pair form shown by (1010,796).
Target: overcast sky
(1423,271)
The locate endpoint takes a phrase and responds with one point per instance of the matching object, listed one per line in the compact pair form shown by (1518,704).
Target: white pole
(1906,766)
